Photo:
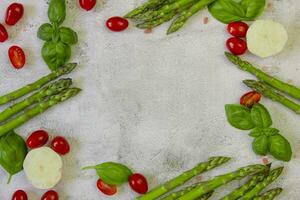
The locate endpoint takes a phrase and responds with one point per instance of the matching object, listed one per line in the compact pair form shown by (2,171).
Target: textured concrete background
(151,101)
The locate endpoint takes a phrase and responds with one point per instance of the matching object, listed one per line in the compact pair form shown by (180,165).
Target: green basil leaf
(253,8)
(68,36)
(57,11)
(226,11)
(45,32)
(260,116)
(260,145)
(270,131)
(12,152)
(256,132)
(112,173)
(239,116)
(56,54)
(280,147)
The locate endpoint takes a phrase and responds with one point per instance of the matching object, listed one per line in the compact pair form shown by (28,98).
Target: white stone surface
(151,101)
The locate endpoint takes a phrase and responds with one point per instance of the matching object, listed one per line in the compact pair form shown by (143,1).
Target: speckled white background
(151,101)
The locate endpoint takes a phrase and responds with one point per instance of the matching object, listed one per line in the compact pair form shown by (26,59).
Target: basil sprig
(112,173)
(227,11)
(258,120)
(56,50)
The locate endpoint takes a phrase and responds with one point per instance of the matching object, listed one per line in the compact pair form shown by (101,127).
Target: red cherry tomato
(14,13)
(117,24)
(60,145)
(19,195)
(236,45)
(3,33)
(238,29)
(87,4)
(138,183)
(37,139)
(17,57)
(105,188)
(250,98)
(50,195)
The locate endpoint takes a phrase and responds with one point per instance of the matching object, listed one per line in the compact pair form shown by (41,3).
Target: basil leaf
(57,11)
(260,116)
(260,145)
(68,36)
(239,116)
(253,8)
(56,54)
(45,32)
(280,147)
(270,131)
(12,152)
(256,132)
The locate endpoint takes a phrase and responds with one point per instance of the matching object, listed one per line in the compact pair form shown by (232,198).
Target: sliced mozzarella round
(266,38)
(43,167)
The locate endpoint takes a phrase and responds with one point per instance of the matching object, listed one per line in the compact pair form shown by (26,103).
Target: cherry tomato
(87,4)
(236,45)
(250,98)
(117,24)
(19,195)
(3,33)
(37,139)
(105,188)
(14,13)
(17,57)
(238,29)
(138,183)
(60,145)
(50,195)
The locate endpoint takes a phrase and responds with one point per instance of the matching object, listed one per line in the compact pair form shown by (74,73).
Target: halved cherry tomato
(105,188)
(60,145)
(37,139)
(19,195)
(238,29)
(138,183)
(236,45)
(87,4)
(117,24)
(50,195)
(14,13)
(17,57)
(250,98)
(3,33)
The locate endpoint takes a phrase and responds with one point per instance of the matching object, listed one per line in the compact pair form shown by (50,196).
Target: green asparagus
(176,195)
(38,84)
(269,195)
(184,177)
(49,90)
(38,109)
(146,6)
(218,181)
(244,188)
(272,81)
(267,91)
(274,174)
(152,15)
(185,15)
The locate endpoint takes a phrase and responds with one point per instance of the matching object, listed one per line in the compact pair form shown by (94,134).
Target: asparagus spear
(151,15)
(37,84)
(274,174)
(38,109)
(176,195)
(218,181)
(146,6)
(269,195)
(49,90)
(244,188)
(267,91)
(185,15)
(184,177)
(272,81)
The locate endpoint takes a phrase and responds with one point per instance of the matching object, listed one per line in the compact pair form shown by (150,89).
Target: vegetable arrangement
(58,39)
